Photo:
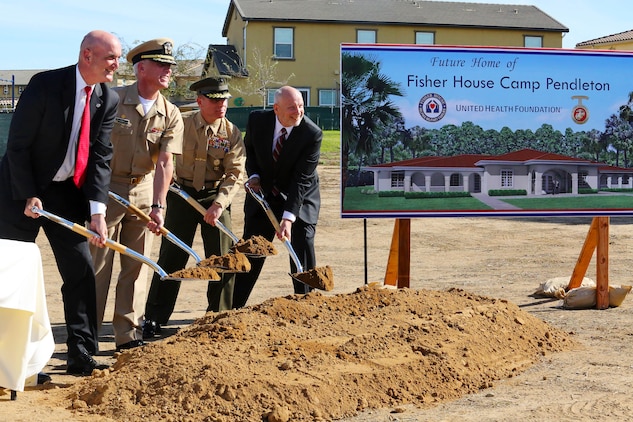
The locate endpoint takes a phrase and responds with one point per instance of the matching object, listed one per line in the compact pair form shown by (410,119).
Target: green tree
(365,105)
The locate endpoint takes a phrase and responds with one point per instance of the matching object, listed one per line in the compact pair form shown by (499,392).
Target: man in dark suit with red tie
(39,169)
(286,175)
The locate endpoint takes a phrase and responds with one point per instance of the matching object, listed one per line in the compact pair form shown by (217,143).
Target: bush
(507,192)
(587,191)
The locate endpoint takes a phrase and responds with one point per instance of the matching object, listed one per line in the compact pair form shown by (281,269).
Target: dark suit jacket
(39,132)
(295,173)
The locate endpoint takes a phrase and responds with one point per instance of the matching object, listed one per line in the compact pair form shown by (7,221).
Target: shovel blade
(321,278)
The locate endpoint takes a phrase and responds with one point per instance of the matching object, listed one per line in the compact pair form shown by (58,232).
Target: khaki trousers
(128,229)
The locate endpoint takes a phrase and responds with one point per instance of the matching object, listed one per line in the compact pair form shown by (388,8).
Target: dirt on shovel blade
(256,245)
(233,261)
(202,273)
(319,277)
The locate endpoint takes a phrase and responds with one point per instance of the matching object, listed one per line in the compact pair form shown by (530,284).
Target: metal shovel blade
(323,279)
(196,205)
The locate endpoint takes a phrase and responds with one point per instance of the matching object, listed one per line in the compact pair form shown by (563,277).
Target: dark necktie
(83,146)
(279,144)
(276,151)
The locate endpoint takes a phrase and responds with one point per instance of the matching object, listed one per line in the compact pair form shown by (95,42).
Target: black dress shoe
(43,378)
(151,329)
(82,364)
(130,345)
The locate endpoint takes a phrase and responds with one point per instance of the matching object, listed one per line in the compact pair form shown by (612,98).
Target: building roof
(396,12)
(609,39)
(226,60)
(524,156)
(22,77)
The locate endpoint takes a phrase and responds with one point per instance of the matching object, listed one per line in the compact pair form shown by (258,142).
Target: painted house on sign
(535,172)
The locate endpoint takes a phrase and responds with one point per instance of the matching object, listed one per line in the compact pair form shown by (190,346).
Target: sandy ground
(495,258)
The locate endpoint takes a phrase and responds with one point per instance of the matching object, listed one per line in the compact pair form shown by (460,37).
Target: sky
(45,34)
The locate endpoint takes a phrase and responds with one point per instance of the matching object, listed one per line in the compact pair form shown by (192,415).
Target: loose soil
(256,245)
(230,262)
(467,341)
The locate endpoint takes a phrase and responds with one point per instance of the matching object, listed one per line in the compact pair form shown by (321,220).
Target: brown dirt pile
(317,357)
(319,277)
(230,262)
(202,273)
(256,245)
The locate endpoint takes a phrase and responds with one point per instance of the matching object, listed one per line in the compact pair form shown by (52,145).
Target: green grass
(574,202)
(331,148)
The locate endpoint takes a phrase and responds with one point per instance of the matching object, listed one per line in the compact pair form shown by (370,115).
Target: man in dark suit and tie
(286,175)
(38,170)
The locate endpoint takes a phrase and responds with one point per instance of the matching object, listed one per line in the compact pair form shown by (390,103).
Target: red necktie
(83,146)
(279,144)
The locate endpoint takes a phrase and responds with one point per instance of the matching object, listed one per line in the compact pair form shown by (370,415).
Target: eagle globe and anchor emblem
(580,113)
(432,107)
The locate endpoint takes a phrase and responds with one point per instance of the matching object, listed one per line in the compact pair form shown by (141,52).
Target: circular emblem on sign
(580,114)
(432,107)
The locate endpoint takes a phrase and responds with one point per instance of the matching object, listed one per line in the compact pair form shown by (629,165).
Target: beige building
(298,41)
(620,41)
(12,83)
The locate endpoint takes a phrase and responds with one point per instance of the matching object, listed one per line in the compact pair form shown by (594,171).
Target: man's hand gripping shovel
(319,277)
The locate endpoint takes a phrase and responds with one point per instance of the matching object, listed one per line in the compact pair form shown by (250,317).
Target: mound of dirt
(317,357)
(230,262)
(256,245)
(319,277)
(202,273)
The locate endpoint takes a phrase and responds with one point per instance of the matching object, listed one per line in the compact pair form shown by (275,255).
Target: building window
(270,96)
(424,37)
(305,93)
(327,97)
(532,41)
(6,89)
(507,178)
(284,43)
(397,179)
(366,36)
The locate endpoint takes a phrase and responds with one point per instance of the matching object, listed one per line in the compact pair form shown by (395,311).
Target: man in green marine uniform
(211,170)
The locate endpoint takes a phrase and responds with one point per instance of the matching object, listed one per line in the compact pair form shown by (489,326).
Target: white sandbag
(617,294)
(580,298)
(585,297)
(553,286)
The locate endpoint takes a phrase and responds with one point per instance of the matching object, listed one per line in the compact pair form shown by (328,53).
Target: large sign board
(465,131)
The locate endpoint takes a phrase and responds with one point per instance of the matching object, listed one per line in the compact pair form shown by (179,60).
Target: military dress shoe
(82,364)
(151,329)
(130,345)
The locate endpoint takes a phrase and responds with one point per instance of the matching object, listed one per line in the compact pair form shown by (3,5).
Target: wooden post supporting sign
(399,264)
(597,240)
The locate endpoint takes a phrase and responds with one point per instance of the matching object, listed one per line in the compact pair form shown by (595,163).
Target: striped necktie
(279,144)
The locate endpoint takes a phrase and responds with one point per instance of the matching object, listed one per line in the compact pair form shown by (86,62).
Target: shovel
(191,201)
(163,230)
(213,276)
(320,278)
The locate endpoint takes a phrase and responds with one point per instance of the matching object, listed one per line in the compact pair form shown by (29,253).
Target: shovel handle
(124,202)
(163,230)
(273,220)
(198,206)
(109,242)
